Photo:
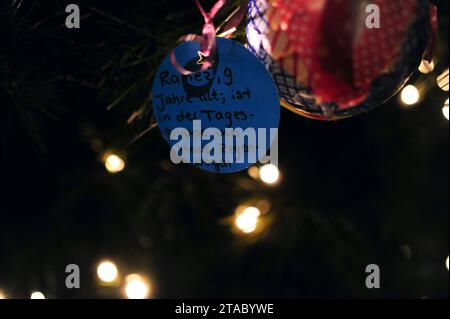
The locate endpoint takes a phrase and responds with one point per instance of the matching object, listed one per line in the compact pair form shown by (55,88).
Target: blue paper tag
(235,100)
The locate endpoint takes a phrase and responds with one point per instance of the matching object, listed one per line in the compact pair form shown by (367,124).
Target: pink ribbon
(207,40)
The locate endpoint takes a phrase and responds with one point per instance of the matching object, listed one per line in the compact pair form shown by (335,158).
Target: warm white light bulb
(269,174)
(426,67)
(410,95)
(37,295)
(247,220)
(253,172)
(107,271)
(445,110)
(446,263)
(136,287)
(114,163)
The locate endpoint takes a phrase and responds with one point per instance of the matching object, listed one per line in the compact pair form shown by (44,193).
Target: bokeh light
(107,271)
(410,95)
(136,287)
(114,163)
(2,295)
(247,220)
(426,67)
(37,295)
(269,174)
(253,172)
(445,110)
(446,263)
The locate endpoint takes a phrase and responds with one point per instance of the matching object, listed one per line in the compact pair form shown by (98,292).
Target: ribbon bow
(207,41)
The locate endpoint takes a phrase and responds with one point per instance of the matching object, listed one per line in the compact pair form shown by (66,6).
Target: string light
(136,287)
(410,95)
(37,295)
(247,219)
(269,174)
(113,163)
(107,271)
(445,110)
(426,67)
(253,172)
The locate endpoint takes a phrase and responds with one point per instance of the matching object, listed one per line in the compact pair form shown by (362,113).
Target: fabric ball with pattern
(334,59)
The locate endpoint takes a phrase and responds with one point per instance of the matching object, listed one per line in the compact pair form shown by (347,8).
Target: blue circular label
(223,119)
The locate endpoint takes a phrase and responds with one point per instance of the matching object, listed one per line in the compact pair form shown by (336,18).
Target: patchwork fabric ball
(334,59)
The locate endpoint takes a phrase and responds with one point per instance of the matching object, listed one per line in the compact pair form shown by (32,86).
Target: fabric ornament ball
(326,61)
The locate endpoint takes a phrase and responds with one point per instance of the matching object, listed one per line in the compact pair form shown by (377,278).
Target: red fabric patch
(341,55)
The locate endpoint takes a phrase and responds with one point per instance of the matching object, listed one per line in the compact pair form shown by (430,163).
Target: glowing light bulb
(114,163)
(446,263)
(410,95)
(426,67)
(107,271)
(445,110)
(247,220)
(37,295)
(269,174)
(136,287)
(253,172)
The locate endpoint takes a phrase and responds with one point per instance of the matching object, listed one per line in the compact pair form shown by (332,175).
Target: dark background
(371,189)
